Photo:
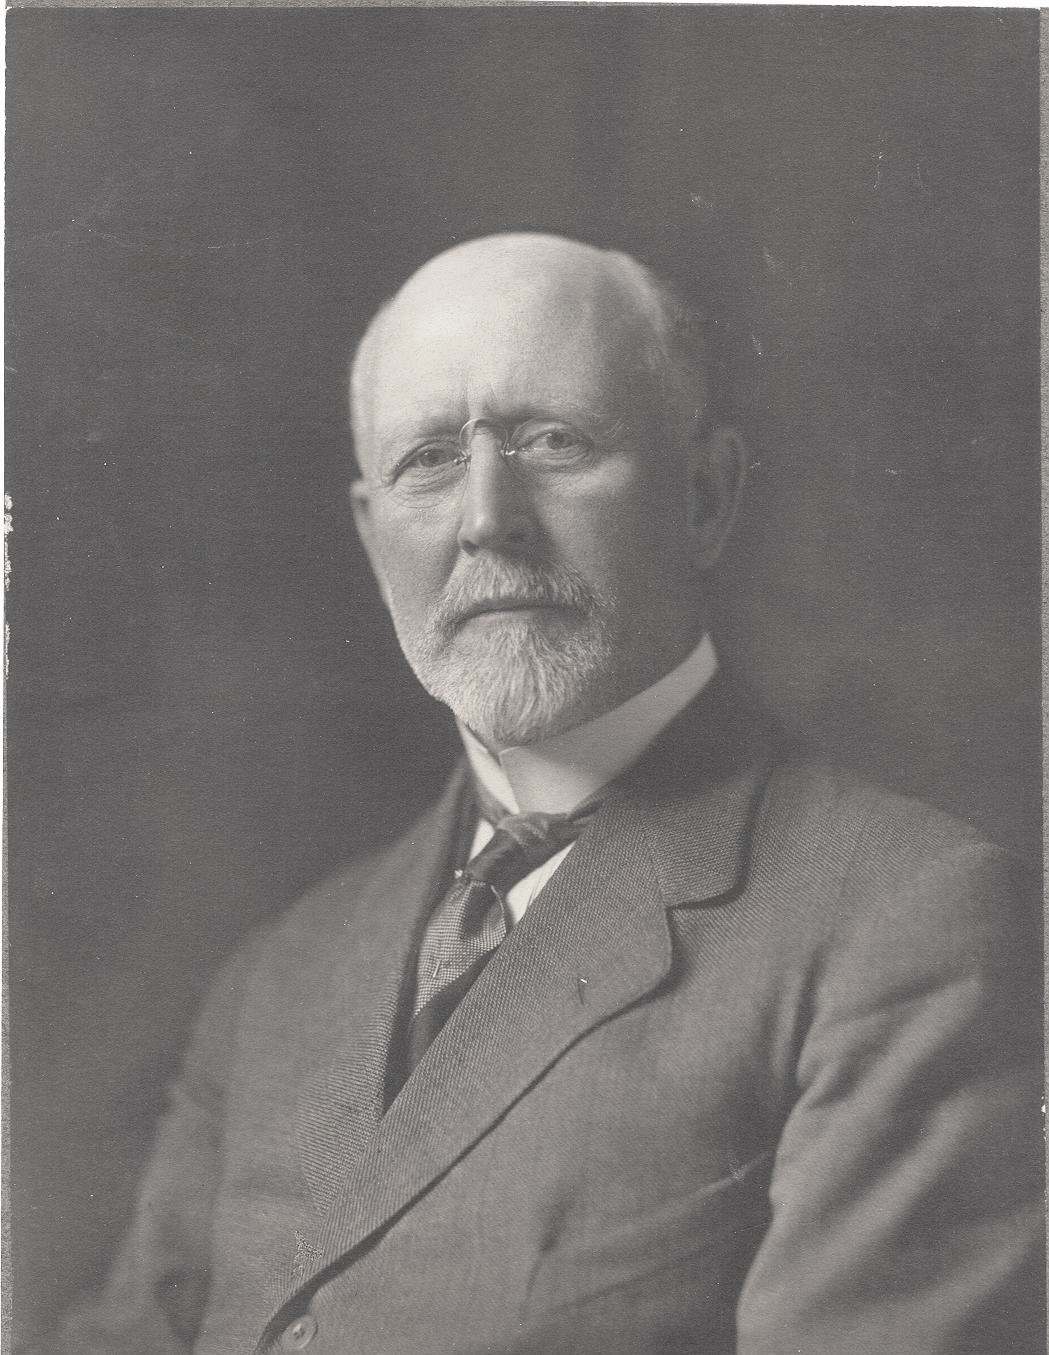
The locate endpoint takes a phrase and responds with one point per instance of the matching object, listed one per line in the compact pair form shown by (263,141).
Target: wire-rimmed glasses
(535,447)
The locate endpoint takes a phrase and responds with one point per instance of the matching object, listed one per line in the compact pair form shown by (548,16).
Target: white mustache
(519,585)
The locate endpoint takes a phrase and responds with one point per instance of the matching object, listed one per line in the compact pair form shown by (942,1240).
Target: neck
(556,773)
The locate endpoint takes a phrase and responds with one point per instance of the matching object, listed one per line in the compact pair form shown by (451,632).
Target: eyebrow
(409,430)
(417,428)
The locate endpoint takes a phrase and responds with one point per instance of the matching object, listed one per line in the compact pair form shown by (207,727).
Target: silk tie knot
(519,845)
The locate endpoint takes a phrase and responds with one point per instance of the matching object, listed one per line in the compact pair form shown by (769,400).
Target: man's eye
(434,456)
(554,441)
(557,440)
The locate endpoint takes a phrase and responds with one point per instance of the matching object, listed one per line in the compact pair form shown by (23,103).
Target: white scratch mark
(877,169)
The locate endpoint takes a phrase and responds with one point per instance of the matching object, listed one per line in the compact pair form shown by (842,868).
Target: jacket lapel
(342,1103)
(595,941)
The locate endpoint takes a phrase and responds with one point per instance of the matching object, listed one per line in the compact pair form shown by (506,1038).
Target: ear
(361,504)
(717,467)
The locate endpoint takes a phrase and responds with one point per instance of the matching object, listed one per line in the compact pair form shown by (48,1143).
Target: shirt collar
(558,774)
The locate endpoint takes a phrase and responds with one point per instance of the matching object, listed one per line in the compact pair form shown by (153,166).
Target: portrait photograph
(523,689)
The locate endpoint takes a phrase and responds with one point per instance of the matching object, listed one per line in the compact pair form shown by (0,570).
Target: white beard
(524,677)
(520,686)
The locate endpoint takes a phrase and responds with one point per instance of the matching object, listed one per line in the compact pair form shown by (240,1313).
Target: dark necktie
(471,920)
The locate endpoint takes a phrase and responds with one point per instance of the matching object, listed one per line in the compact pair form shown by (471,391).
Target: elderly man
(651,1036)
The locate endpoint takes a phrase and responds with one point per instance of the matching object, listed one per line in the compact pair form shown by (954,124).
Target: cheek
(415,558)
(630,534)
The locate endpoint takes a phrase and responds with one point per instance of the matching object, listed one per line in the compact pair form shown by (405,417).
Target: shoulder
(351,911)
(299,961)
(837,815)
(312,923)
(883,882)
(828,829)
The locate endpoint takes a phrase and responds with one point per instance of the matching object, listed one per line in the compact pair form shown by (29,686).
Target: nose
(496,511)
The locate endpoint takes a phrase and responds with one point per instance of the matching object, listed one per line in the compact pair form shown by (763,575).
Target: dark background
(205,708)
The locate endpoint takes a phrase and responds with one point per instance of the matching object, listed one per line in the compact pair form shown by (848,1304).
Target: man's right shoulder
(337,905)
(302,954)
(343,911)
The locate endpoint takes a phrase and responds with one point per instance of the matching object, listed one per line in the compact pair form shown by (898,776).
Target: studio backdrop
(206,708)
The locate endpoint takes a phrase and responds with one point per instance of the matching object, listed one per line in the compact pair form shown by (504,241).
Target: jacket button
(300,1333)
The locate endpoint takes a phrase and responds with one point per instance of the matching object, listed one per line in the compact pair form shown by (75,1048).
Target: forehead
(506,341)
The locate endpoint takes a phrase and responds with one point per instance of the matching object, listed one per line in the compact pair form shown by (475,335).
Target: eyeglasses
(537,446)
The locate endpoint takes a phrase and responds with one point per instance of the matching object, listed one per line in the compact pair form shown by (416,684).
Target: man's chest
(645,1141)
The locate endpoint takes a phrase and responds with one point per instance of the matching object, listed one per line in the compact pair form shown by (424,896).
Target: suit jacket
(757,1072)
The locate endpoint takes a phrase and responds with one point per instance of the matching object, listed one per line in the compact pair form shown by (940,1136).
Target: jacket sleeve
(907,1187)
(153,1301)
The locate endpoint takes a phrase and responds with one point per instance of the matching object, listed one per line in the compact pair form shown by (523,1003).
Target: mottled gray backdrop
(206,711)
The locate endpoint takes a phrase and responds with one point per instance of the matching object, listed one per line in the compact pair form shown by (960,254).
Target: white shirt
(560,773)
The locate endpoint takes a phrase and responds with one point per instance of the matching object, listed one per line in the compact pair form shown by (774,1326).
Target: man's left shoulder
(840,806)
(882,853)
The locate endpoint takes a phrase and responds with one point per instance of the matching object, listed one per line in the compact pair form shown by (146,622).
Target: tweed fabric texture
(758,1071)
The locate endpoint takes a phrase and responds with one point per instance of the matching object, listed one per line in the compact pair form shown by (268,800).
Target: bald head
(524,292)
